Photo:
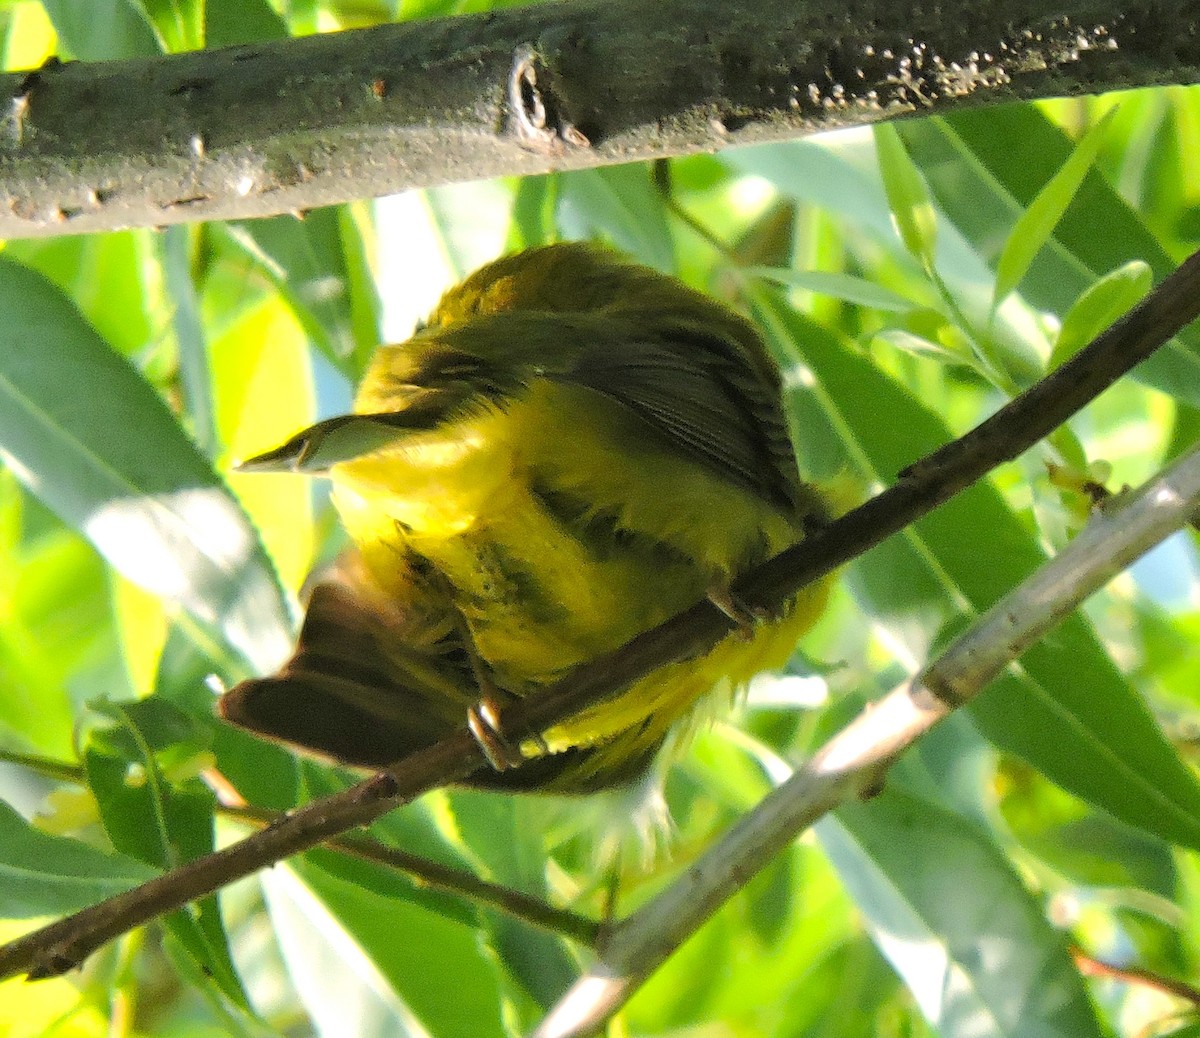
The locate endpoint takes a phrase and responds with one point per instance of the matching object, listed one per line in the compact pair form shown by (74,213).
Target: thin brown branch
(446,878)
(287,125)
(1092,967)
(420,870)
(1176,302)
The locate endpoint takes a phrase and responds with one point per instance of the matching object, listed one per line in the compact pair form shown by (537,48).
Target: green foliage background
(909,280)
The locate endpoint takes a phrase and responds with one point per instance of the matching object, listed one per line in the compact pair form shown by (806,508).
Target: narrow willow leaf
(162,823)
(407,977)
(147,818)
(907,195)
(945,906)
(102,30)
(982,184)
(621,204)
(852,289)
(538,961)
(824,175)
(44,875)
(174,250)
(1065,709)
(229,22)
(534,203)
(1089,848)
(414,831)
(306,259)
(920,345)
(336,983)
(179,22)
(1099,306)
(87,435)
(1037,223)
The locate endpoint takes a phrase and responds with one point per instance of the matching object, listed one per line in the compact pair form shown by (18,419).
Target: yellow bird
(572,450)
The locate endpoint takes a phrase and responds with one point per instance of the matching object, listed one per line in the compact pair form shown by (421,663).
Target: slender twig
(661,173)
(62,771)
(1092,967)
(448,879)
(854,760)
(61,945)
(422,871)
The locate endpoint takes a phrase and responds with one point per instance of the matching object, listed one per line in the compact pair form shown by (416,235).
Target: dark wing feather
(354,691)
(699,392)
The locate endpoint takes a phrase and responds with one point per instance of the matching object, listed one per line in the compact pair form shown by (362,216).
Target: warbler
(573,449)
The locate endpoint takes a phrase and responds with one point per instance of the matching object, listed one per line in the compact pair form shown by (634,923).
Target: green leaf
(827,177)
(950,350)
(982,184)
(56,629)
(852,289)
(88,436)
(907,195)
(410,829)
(108,277)
(144,814)
(621,204)
(146,726)
(309,263)
(1090,847)
(1066,709)
(947,909)
(534,205)
(1099,306)
(438,972)
(177,22)
(103,30)
(537,960)
(228,22)
(159,822)
(51,875)
(1037,223)
(174,247)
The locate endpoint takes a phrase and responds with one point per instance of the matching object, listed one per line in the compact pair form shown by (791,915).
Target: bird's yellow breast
(571,450)
(553,554)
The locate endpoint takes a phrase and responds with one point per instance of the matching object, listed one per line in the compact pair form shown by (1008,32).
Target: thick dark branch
(1176,302)
(293,124)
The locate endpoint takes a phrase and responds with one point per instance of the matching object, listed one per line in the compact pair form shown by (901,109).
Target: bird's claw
(745,617)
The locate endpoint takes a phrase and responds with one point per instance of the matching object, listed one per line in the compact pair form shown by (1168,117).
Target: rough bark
(292,124)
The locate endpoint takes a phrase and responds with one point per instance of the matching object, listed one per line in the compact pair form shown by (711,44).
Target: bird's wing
(697,391)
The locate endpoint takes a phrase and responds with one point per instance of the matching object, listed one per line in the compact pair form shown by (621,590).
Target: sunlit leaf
(178,22)
(111,460)
(52,875)
(227,22)
(983,183)
(1066,709)
(1099,306)
(841,286)
(954,919)
(907,195)
(1037,223)
(408,978)
(621,204)
(103,29)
